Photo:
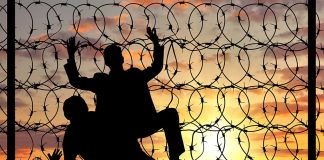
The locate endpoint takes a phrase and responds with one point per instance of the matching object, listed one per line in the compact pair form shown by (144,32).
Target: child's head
(74,107)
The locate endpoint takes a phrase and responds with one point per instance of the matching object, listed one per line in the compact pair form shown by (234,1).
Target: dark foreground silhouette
(124,103)
(56,155)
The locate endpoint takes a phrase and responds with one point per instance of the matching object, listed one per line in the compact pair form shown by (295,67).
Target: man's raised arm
(158,55)
(83,83)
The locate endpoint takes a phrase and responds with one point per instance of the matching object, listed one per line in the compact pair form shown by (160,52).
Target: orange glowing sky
(205,112)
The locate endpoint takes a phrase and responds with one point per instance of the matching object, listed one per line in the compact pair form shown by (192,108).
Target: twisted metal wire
(198,53)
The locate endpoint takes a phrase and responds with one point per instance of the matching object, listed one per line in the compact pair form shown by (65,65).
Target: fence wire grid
(236,71)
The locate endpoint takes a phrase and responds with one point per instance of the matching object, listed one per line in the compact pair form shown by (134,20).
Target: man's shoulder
(133,70)
(92,115)
(100,75)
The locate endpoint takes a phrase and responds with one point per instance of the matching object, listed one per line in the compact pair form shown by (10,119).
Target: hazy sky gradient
(208,108)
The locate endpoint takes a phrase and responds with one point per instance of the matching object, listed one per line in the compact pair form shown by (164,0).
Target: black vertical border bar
(11,79)
(311,79)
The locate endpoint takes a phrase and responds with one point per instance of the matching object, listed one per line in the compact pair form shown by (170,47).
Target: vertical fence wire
(11,80)
(311,79)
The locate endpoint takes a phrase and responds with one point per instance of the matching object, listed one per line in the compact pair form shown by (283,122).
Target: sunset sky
(228,80)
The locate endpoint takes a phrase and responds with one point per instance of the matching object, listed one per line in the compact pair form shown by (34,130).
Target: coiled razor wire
(235,71)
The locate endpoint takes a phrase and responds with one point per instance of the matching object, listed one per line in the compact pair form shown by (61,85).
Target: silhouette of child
(86,138)
(79,138)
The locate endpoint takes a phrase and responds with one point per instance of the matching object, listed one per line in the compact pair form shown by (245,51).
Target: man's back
(139,99)
(112,90)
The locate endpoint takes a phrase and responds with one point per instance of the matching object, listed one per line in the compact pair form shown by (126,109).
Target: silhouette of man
(83,137)
(128,93)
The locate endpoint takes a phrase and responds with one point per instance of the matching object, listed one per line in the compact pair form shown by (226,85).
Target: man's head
(113,56)
(74,107)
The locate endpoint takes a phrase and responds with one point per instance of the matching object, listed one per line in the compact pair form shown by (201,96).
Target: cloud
(3,55)
(258,136)
(303,32)
(24,140)
(3,102)
(147,2)
(29,53)
(90,24)
(3,86)
(137,55)
(19,101)
(286,112)
(283,152)
(257,91)
(44,37)
(319,5)
(170,2)
(287,2)
(178,9)
(179,65)
(304,99)
(44,44)
(221,57)
(288,153)
(54,39)
(57,50)
(254,13)
(57,78)
(159,83)
(40,37)
(138,58)
(287,73)
(85,26)
(24,148)
(300,49)
(301,72)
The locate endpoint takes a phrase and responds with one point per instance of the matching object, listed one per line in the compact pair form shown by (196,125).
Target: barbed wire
(200,58)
